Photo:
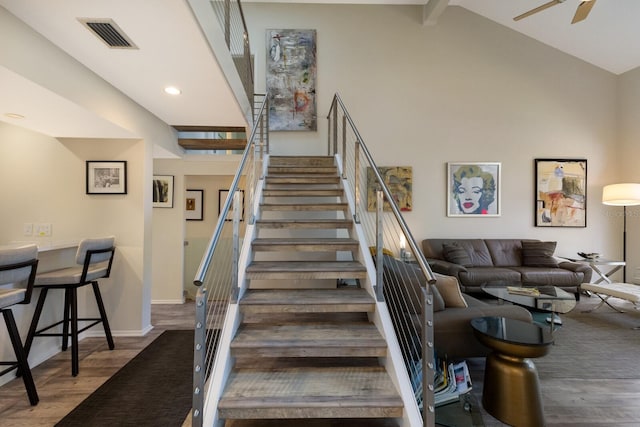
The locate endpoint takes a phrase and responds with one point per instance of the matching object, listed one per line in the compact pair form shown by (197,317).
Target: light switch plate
(27,229)
(43,230)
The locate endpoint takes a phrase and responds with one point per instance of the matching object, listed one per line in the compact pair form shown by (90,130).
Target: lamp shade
(627,194)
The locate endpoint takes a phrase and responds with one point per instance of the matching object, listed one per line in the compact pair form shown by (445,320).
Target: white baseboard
(168,301)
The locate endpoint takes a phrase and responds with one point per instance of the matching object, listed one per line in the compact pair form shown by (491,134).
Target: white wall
(466,89)
(626,156)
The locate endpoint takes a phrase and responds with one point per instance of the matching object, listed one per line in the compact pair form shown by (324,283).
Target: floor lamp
(627,194)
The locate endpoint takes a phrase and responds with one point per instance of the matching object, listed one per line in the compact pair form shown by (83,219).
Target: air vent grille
(109,32)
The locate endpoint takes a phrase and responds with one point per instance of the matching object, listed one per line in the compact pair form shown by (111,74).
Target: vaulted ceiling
(172,50)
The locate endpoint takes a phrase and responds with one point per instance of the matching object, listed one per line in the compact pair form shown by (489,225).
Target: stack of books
(532,292)
(452,380)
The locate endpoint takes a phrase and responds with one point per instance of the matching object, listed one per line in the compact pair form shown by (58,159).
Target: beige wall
(43,180)
(466,89)
(174,265)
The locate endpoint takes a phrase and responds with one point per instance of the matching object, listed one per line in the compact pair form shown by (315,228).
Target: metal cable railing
(231,19)
(403,275)
(217,276)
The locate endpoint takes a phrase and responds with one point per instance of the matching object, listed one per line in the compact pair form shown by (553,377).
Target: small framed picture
(473,189)
(222,197)
(106,177)
(193,205)
(561,192)
(163,191)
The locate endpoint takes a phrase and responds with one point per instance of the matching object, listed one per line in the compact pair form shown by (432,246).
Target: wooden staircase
(306,348)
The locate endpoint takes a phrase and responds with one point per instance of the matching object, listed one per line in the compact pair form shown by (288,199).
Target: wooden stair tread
(307,192)
(306,170)
(310,392)
(303,179)
(354,339)
(305,244)
(304,223)
(307,300)
(304,206)
(306,270)
(301,160)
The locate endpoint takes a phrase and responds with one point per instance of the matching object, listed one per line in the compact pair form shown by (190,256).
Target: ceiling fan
(581,13)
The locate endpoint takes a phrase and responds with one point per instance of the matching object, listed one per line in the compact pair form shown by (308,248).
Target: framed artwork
(291,80)
(193,206)
(561,192)
(399,181)
(222,197)
(163,191)
(106,177)
(473,189)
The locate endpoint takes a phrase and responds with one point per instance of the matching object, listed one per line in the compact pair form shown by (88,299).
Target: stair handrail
(426,387)
(204,341)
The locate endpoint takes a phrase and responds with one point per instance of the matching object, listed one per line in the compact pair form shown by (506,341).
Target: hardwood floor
(60,392)
(569,401)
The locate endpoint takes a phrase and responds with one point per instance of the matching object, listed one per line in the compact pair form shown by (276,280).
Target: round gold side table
(511,390)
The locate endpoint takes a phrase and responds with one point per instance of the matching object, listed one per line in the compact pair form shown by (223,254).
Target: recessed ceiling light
(14,115)
(172,90)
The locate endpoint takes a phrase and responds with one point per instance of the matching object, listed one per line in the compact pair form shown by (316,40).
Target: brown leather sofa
(512,262)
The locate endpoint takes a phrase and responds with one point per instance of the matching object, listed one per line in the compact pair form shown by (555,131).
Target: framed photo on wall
(106,177)
(473,189)
(222,198)
(163,191)
(561,192)
(193,205)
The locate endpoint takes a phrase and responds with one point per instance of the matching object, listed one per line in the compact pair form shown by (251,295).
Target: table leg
(511,391)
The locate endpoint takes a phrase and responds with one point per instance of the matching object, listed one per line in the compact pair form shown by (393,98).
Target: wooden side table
(511,390)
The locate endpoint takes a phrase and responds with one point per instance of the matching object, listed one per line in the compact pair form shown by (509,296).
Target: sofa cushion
(449,289)
(477,276)
(476,249)
(505,252)
(537,276)
(456,254)
(403,282)
(538,254)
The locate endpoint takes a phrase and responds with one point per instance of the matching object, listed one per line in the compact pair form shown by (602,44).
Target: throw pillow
(449,289)
(456,254)
(538,254)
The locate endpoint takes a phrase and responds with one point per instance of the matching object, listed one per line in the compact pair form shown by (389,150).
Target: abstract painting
(473,189)
(291,80)
(561,192)
(399,181)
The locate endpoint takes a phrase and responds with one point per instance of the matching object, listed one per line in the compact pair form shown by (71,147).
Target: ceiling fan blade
(538,9)
(583,10)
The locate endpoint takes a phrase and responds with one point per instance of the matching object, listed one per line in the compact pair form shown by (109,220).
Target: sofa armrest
(445,267)
(578,267)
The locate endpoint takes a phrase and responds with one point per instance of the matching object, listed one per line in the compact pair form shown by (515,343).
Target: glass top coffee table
(548,298)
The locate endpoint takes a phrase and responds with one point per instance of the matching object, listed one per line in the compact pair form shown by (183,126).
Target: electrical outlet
(43,230)
(27,229)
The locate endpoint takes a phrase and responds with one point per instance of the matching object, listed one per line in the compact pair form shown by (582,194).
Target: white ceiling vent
(109,32)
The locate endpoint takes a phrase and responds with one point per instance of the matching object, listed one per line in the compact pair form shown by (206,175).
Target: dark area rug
(153,389)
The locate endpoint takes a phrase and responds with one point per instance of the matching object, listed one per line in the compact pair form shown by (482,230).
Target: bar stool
(96,257)
(18,268)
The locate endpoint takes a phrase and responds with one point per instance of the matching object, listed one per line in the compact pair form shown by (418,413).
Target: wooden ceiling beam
(209,128)
(212,144)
